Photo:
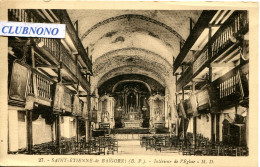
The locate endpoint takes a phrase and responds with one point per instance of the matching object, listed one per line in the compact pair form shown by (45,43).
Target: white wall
(190,126)
(13,130)
(204,125)
(22,133)
(41,131)
(68,127)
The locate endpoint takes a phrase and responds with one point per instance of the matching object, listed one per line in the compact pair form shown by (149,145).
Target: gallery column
(87,130)
(29,130)
(58,134)
(194,119)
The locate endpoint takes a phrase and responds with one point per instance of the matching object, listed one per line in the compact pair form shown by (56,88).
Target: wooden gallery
(130,82)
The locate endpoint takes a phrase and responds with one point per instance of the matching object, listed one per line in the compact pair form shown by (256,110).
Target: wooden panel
(85,111)
(191,105)
(58,103)
(213,101)
(76,106)
(67,100)
(203,100)
(19,80)
(202,59)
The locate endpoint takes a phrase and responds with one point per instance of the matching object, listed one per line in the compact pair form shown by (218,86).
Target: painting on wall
(19,81)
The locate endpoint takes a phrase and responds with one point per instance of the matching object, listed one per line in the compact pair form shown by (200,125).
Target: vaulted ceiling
(133,41)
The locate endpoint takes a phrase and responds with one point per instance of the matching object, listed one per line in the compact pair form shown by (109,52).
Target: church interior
(151,82)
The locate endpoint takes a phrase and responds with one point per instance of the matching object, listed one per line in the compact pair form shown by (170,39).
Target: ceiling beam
(47,66)
(202,23)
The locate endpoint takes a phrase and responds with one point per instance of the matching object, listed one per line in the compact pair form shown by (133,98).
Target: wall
(13,143)
(22,134)
(204,125)
(190,126)
(41,131)
(68,127)
(221,119)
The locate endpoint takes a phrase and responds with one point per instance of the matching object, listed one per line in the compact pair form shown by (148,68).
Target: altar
(131,111)
(133,124)
(132,119)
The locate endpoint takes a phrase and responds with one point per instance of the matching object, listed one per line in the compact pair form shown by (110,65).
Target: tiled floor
(134,147)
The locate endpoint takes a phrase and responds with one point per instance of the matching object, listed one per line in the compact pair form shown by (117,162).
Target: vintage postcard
(128,83)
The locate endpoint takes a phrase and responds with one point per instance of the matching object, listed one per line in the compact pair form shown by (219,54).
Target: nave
(131,82)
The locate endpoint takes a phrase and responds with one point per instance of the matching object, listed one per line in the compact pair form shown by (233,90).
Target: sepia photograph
(129,82)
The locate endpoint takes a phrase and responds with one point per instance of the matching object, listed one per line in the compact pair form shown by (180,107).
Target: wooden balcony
(227,91)
(63,15)
(232,88)
(222,44)
(52,50)
(197,30)
(39,86)
(27,82)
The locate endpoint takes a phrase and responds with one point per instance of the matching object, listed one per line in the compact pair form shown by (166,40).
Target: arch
(139,81)
(129,16)
(132,48)
(106,76)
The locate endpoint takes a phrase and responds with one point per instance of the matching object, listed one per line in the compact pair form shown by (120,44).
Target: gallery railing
(54,47)
(39,86)
(224,38)
(230,87)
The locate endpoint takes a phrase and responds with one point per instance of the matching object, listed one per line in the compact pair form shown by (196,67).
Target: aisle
(134,147)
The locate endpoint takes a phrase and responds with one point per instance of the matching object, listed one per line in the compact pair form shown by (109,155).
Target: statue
(152,127)
(131,109)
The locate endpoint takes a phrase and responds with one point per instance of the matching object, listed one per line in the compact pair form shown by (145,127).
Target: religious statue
(131,109)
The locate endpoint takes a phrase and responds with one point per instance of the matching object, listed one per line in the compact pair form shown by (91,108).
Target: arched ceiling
(164,28)
(116,83)
(124,70)
(131,57)
(133,41)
